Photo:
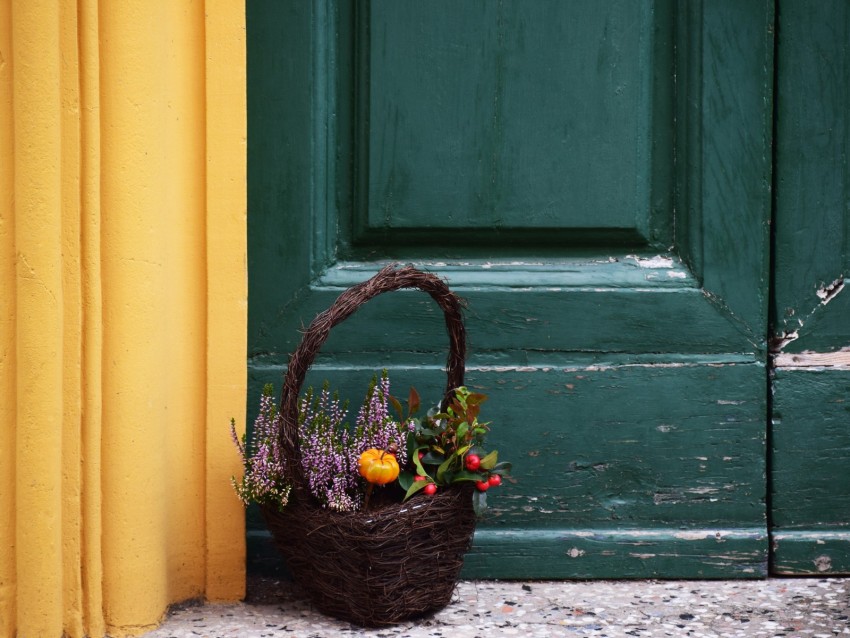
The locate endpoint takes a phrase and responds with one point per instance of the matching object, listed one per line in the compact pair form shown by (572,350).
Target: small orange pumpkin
(378,466)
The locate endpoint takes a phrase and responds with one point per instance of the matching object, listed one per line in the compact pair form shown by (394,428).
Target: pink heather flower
(331,450)
(264,478)
(375,428)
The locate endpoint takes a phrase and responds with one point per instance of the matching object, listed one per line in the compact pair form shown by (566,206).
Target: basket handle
(388,279)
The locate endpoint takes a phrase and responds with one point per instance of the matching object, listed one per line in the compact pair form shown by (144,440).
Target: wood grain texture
(290,256)
(607,446)
(824,552)
(509,115)
(840,359)
(281,152)
(813,176)
(810,440)
(602,316)
(618,553)
(724,100)
(810,484)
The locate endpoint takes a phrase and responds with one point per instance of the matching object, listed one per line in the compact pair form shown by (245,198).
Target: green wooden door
(810,443)
(594,178)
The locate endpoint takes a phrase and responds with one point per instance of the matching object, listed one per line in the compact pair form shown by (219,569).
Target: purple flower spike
(330,448)
(264,479)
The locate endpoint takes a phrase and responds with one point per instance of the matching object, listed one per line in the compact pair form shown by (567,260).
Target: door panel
(502,117)
(810,486)
(593,177)
(647,470)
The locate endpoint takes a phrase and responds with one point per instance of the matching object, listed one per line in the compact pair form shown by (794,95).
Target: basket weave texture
(386,564)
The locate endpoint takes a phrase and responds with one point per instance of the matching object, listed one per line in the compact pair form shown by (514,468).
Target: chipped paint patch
(823,563)
(603,367)
(508,369)
(703,490)
(650,534)
(840,359)
(780,341)
(828,292)
(659,261)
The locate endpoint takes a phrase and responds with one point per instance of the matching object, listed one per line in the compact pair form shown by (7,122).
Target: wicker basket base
(378,567)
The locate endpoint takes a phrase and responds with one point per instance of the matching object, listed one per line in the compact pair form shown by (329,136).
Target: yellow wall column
(124,306)
(91,355)
(8,314)
(39,335)
(226,137)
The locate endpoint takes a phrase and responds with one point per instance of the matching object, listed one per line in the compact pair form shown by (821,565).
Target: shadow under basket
(378,567)
(396,561)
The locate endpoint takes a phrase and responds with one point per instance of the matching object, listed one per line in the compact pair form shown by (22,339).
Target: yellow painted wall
(124,305)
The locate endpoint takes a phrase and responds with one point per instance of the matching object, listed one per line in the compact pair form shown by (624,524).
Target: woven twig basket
(380,566)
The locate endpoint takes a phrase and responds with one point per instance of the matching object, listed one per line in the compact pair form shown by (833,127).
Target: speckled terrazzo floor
(814,608)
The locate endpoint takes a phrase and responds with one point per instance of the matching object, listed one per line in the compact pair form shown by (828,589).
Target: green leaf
(432,458)
(411,447)
(501,468)
(444,467)
(489,461)
(405,480)
(462,429)
(467,476)
(417,462)
(415,487)
(479,502)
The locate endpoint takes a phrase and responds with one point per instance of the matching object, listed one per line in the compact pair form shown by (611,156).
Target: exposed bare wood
(838,359)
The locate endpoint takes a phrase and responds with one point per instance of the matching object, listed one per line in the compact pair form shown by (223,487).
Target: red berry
(482,486)
(421,454)
(473,462)
(495,480)
(430,489)
(418,477)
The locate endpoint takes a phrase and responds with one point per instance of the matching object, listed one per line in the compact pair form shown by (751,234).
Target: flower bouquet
(373,518)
